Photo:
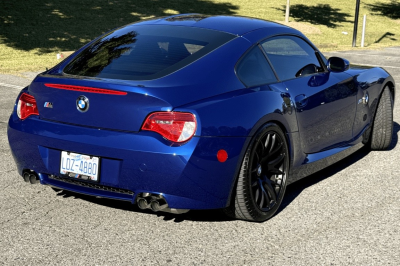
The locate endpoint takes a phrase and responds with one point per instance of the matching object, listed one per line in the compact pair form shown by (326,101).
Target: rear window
(145,52)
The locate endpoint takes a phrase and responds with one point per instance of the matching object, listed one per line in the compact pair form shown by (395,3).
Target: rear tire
(261,182)
(382,128)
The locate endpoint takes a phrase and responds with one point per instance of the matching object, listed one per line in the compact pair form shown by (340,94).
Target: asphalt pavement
(347,214)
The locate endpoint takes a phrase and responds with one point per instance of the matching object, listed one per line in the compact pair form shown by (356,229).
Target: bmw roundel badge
(82,103)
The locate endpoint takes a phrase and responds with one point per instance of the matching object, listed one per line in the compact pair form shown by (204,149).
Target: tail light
(174,126)
(85,89)
(26,106)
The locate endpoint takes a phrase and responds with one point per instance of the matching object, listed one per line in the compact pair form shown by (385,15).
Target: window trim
(318,54)
(241,59)
(316,51)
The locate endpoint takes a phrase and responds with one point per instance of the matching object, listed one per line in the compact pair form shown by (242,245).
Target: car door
(324,101)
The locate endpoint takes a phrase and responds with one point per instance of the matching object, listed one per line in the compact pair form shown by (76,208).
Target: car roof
(236,25)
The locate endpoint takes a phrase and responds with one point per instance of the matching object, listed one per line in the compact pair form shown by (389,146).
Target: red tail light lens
(174,126)
(26,106)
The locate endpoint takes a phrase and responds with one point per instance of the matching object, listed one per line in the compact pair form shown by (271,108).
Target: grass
(33,32)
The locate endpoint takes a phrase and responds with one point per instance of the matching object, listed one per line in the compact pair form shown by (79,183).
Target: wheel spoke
(270,189)
(277,160)
(264,194)
(273,143)
(272,153)
(267,140)
(254,170)
(257,195)
(272,165)
(262,199)
(257,155)
(260,144)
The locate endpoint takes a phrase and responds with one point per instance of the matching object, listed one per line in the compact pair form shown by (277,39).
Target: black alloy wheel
(262,179)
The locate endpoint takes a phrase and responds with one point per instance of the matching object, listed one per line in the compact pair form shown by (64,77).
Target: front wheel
(382,128)
(262,179)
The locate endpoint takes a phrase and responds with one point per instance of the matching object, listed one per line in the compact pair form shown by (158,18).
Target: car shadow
(295,189)
(395,138)
(292,191)
(193,215)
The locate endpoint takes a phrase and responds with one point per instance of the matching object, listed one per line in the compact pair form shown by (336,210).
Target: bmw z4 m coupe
(192,112)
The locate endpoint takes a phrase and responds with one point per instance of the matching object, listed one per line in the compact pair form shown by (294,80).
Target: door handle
(301,100)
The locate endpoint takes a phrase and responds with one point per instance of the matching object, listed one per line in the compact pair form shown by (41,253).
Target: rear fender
(228,116)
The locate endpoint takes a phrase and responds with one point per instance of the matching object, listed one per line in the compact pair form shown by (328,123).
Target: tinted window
(289,54)
(145,52)
(254,69)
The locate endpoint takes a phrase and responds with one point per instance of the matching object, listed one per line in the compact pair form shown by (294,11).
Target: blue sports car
(192,112)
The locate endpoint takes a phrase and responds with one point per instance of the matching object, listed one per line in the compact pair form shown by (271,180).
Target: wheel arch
(257,127)
(389,82)
(381,134)
(391,86)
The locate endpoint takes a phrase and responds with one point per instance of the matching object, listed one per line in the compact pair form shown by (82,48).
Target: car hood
(357,69)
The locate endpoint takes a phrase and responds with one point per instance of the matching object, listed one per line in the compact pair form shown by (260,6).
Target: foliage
(33,32)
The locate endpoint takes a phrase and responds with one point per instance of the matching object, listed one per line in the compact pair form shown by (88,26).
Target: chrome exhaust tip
(156,202)
(30,176)
(26,176)
(156,206)
(143,203)
(33,179)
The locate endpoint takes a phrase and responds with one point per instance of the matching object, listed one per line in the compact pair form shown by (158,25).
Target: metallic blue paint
(319,114)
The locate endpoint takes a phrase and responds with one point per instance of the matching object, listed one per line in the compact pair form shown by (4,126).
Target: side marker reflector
(222,156)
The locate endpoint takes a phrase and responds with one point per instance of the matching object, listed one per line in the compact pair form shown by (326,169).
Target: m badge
(48,105)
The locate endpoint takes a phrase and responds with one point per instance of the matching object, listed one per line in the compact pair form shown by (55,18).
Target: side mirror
(337,64)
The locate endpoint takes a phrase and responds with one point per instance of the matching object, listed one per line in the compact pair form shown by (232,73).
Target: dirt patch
(304,28)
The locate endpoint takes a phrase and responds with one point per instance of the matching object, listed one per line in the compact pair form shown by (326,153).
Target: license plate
(79,166)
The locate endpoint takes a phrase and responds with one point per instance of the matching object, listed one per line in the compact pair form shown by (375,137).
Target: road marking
(344,53)
(11,86)
(352,63)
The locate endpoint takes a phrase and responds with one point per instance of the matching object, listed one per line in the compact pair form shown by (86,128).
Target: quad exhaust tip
(156,203)
(143,203)
(31,177)
(156,206)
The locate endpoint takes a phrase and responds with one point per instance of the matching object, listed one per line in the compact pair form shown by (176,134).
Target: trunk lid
(109,105)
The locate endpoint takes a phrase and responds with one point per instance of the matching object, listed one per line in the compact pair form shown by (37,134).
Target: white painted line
(352,63)
(381,55)
(11,86)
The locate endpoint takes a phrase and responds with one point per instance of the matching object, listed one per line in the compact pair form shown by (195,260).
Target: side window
(254,69)
(290,55)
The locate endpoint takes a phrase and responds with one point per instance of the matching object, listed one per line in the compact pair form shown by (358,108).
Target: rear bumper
(189,176)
